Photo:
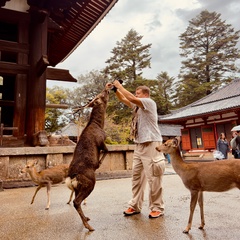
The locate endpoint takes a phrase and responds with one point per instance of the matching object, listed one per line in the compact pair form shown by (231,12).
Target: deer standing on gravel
(217,176)
(86,157)
(47,177)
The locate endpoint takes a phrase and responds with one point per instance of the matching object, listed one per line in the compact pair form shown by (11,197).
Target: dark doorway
(7,89)
(196,138)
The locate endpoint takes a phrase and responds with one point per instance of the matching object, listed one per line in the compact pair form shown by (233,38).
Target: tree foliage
(166,90)
(209,48)
(129,58)
(54,117)
(90,85)
(121,114)
(117,124)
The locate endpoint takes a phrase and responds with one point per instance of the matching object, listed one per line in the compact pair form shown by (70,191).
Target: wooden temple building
(204,120)
(36,35)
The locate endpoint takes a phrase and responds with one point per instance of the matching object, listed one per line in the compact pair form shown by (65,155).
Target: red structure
(205,119)
(34,35)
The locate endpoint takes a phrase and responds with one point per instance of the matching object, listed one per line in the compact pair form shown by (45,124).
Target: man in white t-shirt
(148,163)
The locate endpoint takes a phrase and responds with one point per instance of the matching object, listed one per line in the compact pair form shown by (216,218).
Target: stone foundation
(13,160)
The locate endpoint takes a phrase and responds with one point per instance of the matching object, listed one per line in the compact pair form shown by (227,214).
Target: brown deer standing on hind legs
(217,176)
(86,157)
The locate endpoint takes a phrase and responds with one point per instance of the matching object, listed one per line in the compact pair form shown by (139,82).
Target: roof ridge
(228,91)
(217,100)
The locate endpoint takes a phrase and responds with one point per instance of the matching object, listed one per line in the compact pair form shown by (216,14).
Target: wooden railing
(2,128)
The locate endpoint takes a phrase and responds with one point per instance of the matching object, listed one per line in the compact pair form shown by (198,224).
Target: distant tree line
(209,51)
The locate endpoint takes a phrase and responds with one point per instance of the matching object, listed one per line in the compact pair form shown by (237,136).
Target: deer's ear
(176,141)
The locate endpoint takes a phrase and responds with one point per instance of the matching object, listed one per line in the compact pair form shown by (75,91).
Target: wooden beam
(42,65)
(51,105)
(60,75)
(13,68)
(6,103)
(14,47)
(53,26)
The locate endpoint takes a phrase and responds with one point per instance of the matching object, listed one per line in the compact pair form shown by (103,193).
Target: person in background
(235,144)
(238,140)
(223,145)
(148,163)
(168,158)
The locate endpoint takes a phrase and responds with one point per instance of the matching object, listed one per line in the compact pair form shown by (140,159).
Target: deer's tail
(71,183)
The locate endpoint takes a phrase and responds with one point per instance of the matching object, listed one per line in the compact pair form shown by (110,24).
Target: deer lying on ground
(47,177)
(217,176)
(86,157)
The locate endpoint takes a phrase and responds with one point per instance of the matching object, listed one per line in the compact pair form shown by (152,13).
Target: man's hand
(109,86)
(117,83)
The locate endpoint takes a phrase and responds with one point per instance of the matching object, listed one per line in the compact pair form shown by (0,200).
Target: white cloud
(159,22)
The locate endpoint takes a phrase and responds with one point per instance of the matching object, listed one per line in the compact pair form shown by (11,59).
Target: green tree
(129,58)
(90,85)
(117,123)
(121,114)
(54,118)
(209,48)
(165,86)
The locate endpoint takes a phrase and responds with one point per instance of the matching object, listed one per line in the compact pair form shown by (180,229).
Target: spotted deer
(47,178)
(217,176)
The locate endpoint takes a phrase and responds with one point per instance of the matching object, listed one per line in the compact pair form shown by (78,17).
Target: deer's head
(101,98)
(169,146)
(29,167)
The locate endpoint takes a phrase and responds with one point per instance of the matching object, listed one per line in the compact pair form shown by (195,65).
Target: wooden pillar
(36,87)
(21,80)
(20,105)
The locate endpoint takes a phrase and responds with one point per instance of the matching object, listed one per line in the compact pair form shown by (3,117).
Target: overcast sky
(159,22)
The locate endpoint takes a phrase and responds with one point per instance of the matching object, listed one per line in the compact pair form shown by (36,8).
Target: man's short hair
(145,89)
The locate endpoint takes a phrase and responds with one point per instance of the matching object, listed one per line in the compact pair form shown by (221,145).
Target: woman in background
(223,145)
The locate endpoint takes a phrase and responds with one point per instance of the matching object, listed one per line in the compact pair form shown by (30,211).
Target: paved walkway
(21,221)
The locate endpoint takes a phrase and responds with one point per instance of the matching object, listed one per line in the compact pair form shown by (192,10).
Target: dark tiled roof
(225,99)
(170,130)
(75,20)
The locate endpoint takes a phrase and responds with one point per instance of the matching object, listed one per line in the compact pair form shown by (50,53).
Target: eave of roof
(78,22)
(223,100)
(170,130)
(69,22)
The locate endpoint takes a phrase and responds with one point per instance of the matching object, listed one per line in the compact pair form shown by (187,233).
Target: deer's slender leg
(37,189)
(82,192)
(200,202)
(102,158)
(193,202)
(70,199)
(48,195)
